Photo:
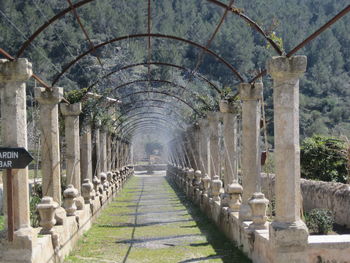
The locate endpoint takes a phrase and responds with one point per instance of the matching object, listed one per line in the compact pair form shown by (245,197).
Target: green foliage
(75,96)
(322,159)
(34,201)
(2,223)
(277,40)
(319,221)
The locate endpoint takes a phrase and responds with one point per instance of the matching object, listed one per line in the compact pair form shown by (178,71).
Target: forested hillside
(325,89)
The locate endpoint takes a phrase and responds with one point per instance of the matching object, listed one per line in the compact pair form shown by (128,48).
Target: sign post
(12,158)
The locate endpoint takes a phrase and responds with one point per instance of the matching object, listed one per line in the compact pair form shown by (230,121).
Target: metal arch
(150,105)
(157,64)
(84,2)
(154,121)
(146,125)
(71,63)
(129,122)
(161,81)
(150,114)
(160,92)
(179,99)
(150,127)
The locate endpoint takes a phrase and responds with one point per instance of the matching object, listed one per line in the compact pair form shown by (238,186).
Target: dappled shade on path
(150,222)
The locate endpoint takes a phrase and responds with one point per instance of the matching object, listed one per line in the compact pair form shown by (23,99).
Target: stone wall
(316,194)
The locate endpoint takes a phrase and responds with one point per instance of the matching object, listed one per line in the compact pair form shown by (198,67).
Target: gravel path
(151,222)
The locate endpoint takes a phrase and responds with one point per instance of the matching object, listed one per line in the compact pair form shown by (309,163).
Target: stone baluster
(287,229)
(216,185)
(50,147)
(70,195)
(87,191)
(46,210)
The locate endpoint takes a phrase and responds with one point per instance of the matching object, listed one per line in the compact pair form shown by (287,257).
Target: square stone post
(113,152)
(71,114)
(214,152)
(251,164)
(229,113)
(13,75)
(109,151)
(86,153)
(50,147)
(287,230)
(97,149)
(103,153)
(204,145)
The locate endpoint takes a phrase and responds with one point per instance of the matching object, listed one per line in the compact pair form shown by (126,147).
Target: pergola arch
(114,40)
(150,115)
(211,84)
(152,112)
(159,81)
(162,93)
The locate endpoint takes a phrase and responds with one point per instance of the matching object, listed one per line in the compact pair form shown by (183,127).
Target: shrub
(322,159)
(319,221)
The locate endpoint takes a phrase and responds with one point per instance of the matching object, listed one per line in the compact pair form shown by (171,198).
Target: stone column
(229,113)
(113,153)
(50,147)
(204,144)
(214,151)
(109,151)
(103,150)
(97,149)
(71,115)
(287,229)
(13,75)
(196,146)
(86,153)
(251,108)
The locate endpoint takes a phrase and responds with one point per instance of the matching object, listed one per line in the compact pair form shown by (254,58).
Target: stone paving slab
(150,222)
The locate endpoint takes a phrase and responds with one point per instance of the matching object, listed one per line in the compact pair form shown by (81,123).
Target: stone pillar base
(289,237)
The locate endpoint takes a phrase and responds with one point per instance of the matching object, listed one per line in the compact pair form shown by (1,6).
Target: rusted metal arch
(161,81)
(159,126)
(145,106)
(166,94)
(157,64)
(155,106)
(84,2)
(159,92)
(149,127)
(149,120)
(71,63)
(150,117)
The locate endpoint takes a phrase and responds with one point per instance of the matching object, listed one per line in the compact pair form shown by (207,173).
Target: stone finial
(249,91)
(109,177)
(216,185)
(235,191)
(104,181)
(46,210)
(283,68)
(15,71)
(44,96)
(96,182)
(206,183)
(258,204)
(198,178)
(87,191)
(70,109)
(70,195)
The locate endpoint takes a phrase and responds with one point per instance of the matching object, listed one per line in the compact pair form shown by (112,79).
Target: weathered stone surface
(251,104)
(86,153)
(13,75)
(46,210)
(50,147)
(71,113)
